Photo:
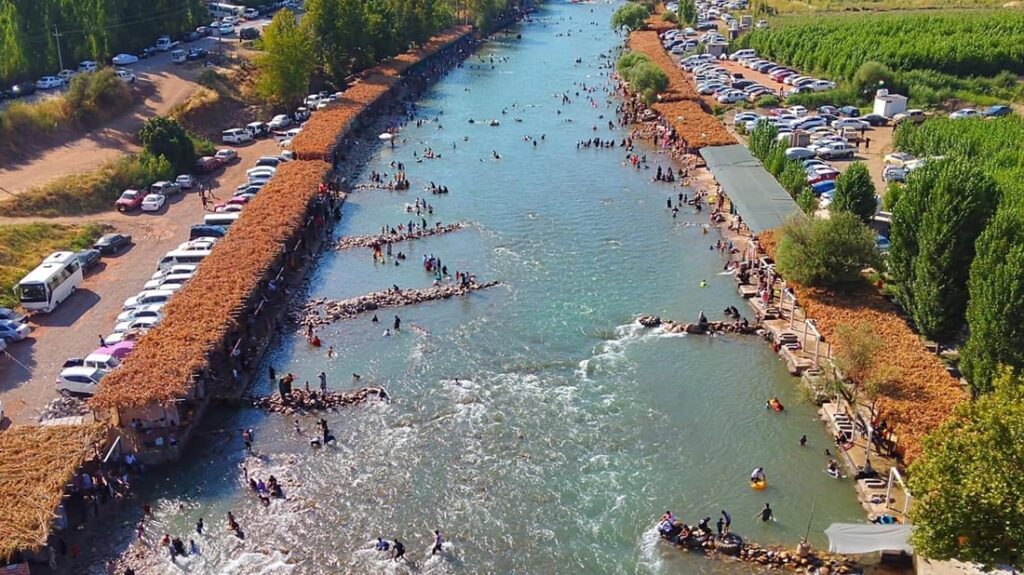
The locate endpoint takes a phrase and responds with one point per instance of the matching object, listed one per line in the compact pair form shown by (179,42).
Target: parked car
(894,174)
(146,297)
(248,33)
(11,331)
(851,124)
(79,381)
(112,243)
(205,231)
(965,113)
(279,121)
(875,119)
(146,53)
(129,200)
(837,150)
(21,90)
(898,159)
(235,136)
(67,75)
(126,75)
(915,116)
(165,188)
(153,202)
(145,322)
(194,54)
(798,153)
(86,66)
(88,258)
(124,60)
(207,164)
(258,129)
(151,310)
(226,30)
(185,181)
(175,269)
(226,155)
(8,313)
(998,111)
(48,82)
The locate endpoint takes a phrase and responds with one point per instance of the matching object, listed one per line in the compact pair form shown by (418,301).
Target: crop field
(796,6)
(959,43)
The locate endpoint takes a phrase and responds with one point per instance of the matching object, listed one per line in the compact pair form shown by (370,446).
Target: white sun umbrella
(385,136)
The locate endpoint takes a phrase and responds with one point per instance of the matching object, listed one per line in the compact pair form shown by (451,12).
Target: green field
(23,246)
(796,6)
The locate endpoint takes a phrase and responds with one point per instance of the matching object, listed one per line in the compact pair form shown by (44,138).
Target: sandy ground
(73,330)
(172,84)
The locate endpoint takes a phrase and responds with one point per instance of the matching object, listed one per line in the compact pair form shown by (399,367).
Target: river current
(533,423)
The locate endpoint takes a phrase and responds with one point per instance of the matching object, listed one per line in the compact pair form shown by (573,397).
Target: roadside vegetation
(90,100)
(803,6)
(630,16)
(94,31)
(23,247)
(764,145)
(644,77)
(931,57)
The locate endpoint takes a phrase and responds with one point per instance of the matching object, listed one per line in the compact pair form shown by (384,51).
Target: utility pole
(57,35)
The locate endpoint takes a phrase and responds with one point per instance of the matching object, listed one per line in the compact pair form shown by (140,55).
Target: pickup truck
(164,43)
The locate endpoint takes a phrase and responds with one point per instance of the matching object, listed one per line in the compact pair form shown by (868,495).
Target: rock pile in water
(323,311)
(381,239)
(824,564)
(300,400)
(711,327)
(63,407)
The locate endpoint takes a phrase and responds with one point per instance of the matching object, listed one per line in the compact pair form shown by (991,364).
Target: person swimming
(758,475)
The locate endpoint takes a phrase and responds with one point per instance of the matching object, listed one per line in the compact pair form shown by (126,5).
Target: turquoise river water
(569,430)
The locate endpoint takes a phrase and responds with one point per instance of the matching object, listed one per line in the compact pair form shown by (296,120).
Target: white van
(235,136)
(743,54)
(223,220)
(176,257)
(178,57)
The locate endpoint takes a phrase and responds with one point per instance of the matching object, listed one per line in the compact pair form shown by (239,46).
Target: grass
(798,6)
(91,99)
(23,246)
(89,193)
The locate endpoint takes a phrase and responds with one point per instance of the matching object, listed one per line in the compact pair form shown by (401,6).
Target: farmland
(974,54)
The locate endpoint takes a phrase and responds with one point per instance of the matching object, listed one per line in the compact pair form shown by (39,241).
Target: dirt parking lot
(73,330)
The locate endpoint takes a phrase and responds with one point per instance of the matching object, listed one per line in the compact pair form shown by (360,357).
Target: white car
(202,245)
(47,82)
(261,173)
(153,202)
(798,111)
(810,122)
(124,59)
(965,113)
(151,310)
(175,269)
(744,117)
(86,66)
(799,153)
(235,136)
(821,86)
(837,150)
(79,381)
(851,123)
(898,159)
(185,181)
(279,121)
(147,297)
(126,75)
(137,323)
(731,97)
(168,280)
(66,75)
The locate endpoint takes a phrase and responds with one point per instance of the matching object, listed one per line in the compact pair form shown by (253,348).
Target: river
(532,423)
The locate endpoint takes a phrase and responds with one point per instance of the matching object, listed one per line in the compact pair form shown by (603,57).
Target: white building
(889,105)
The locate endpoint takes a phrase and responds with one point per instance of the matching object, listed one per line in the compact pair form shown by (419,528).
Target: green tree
(969,502)
(670,17)
(166,137)
(807,201)
(794,178)
(287,61)
(995,314)
(872,75)
(825,252)
(644,78)
(943,209)
(855,193)
(762,140)
(631,16)
(687,12)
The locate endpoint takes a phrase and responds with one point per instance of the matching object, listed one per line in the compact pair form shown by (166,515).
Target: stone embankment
(382,239)
(301,401)
(323,311)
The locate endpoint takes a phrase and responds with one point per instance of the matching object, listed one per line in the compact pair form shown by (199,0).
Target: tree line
(338,37)
(89,30)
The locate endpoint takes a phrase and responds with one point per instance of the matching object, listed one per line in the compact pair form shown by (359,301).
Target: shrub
(770,100)
(855,193)
(825,252)
(631,16)
(643,76)
(167,138)
(670,17)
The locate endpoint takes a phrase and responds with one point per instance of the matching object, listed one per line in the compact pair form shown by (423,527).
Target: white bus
(45,287)
(220,10)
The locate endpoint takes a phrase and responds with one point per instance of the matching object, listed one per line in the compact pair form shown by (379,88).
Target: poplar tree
(855,192)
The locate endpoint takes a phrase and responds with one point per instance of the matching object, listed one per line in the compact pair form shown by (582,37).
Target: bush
(92,97)
(670,17)
(643,76)
(768,101)
(90,193)
(167,138)
(631,16)
(825,252)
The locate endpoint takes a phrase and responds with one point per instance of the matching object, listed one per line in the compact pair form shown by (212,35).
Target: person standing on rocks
(727,522)
(323,382)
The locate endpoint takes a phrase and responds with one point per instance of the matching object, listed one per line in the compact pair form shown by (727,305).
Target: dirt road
(171,85)
(73,330)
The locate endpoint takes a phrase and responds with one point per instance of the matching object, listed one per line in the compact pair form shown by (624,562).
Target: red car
(130,199)
(207,164)
(825,177)
(780,75)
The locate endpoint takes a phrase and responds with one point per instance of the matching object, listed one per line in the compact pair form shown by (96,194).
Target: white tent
(857,538)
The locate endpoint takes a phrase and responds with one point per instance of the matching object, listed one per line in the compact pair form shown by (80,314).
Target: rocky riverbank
(383,239)
(700,328)
(323,311)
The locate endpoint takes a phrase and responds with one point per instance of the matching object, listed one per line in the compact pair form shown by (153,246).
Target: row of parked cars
(153,197)
(778,73)
(717,82)
(60,80)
